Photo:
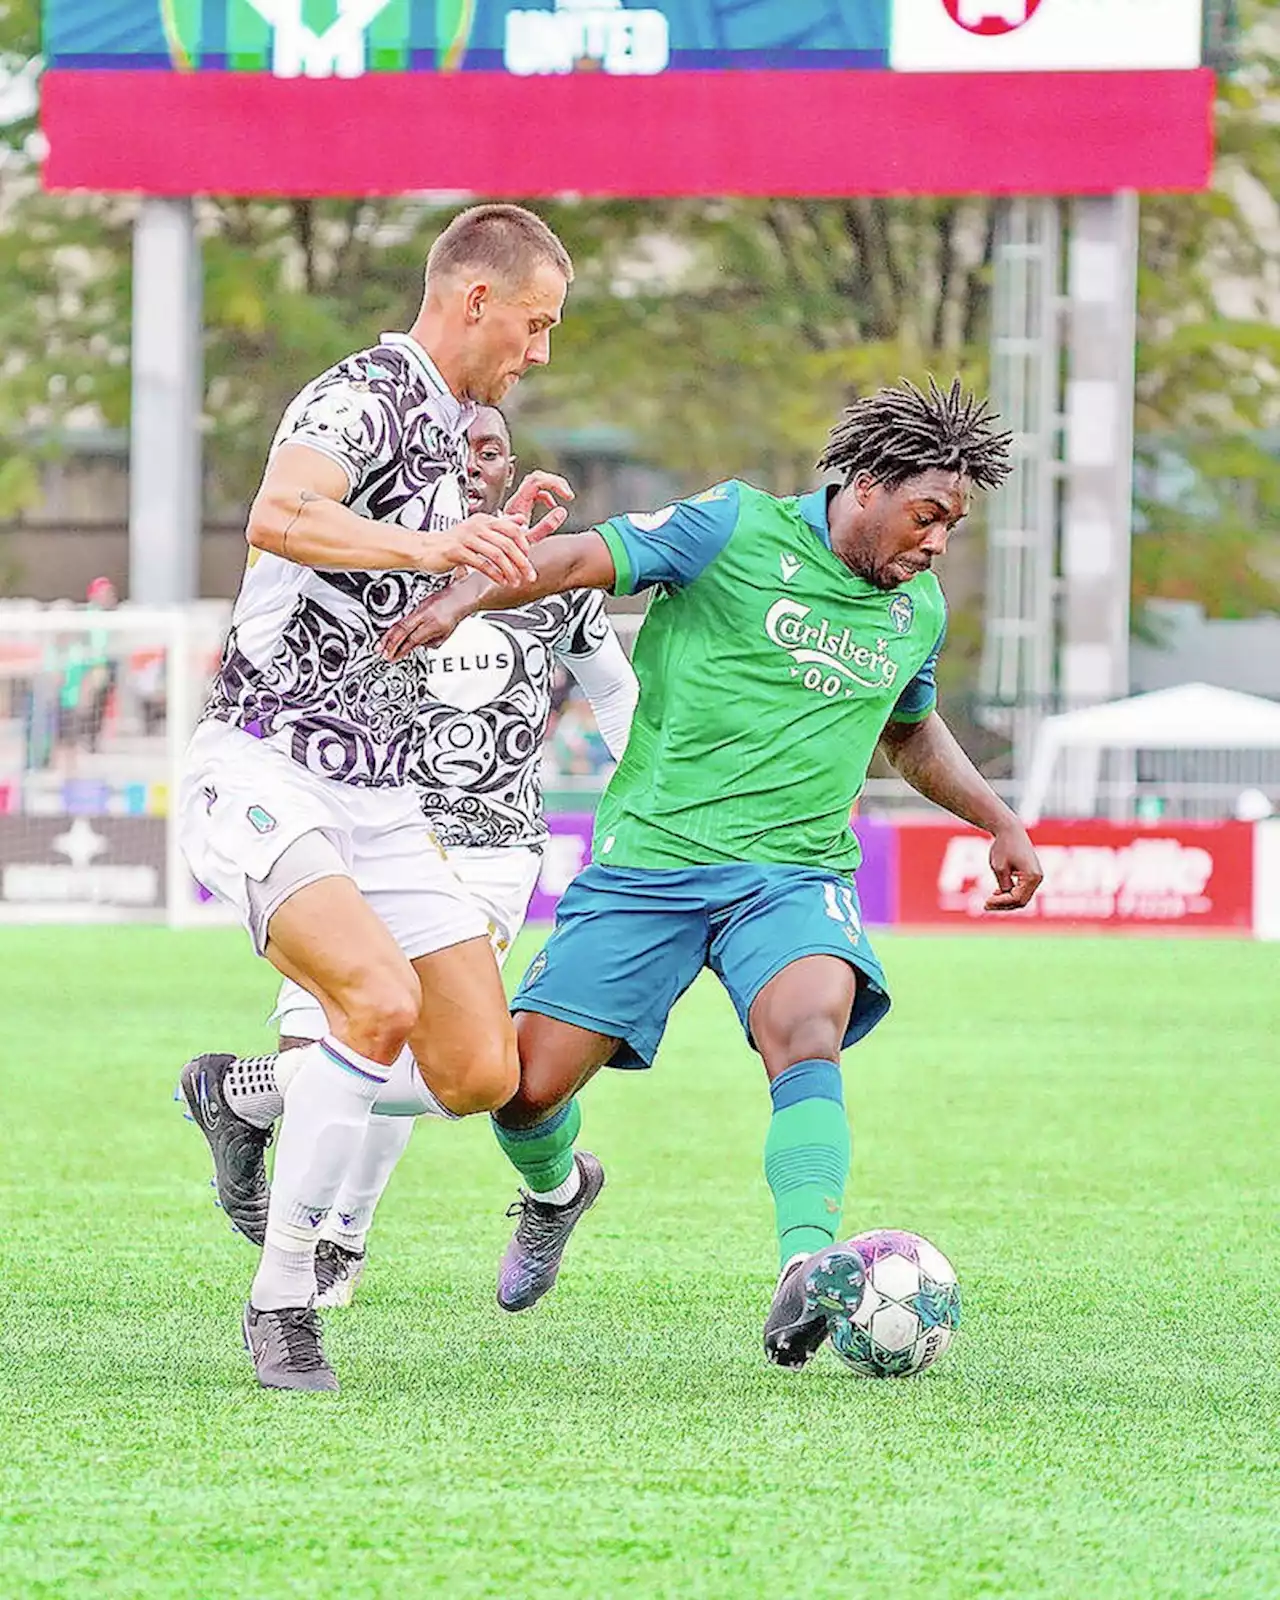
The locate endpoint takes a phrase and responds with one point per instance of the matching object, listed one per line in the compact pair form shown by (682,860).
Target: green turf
(1087,1127)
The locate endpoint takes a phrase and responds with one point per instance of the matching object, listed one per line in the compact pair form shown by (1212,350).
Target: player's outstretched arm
(299,514)
(927,755)
(609,682)
(568,561)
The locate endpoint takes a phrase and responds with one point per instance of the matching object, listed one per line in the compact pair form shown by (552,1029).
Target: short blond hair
(504,240)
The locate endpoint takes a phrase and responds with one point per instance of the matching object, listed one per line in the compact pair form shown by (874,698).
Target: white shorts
(242,804)
(501,882)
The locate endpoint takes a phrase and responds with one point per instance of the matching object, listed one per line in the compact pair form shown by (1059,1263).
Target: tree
(722,336)
(729,333)
(64,326)
(1208,384)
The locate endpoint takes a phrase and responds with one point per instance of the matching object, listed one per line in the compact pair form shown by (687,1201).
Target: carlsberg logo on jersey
(827,659)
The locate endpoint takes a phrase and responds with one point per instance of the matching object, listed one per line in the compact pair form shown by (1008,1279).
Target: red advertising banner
(1097,874)
(741,132)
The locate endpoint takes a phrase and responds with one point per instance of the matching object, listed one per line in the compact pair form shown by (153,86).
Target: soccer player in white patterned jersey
(481,791)
(296,804)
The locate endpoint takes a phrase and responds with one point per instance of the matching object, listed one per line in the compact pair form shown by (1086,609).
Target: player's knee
(541,1093)
(381,1013)
(483,1080)
(807,1038)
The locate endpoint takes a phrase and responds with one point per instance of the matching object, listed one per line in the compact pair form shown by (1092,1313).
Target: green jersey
(767,674)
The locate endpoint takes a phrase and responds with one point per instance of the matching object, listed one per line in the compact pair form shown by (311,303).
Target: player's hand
(1017,869)
(496,546)
(428,624)
(539,489)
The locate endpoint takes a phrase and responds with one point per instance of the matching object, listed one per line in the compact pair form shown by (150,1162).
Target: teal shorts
(629,941)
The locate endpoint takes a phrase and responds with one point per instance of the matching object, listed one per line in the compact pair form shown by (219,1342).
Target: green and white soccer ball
(909,1312)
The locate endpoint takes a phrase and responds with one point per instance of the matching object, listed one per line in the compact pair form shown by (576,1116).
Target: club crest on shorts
(902,611)
(261,819)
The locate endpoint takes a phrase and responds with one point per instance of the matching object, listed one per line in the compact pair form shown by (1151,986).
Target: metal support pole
(1018,648)
(1097,523)
(164,451)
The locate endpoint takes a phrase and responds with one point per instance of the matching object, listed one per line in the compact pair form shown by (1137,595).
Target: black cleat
(338,1273)
(238,1148)
(532,1259)
(286,1348)
(810,1289)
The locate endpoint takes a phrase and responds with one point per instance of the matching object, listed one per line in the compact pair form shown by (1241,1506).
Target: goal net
(96,707)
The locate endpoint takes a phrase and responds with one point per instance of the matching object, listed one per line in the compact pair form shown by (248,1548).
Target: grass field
(1088,1128)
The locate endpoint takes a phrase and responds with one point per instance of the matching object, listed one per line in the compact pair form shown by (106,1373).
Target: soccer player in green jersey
(785,640)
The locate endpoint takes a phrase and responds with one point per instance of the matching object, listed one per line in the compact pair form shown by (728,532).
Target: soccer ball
(909,1312)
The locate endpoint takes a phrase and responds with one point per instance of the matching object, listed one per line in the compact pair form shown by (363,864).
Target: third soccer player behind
(785,640)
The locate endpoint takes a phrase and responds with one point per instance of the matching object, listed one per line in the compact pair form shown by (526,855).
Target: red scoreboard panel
(626,97)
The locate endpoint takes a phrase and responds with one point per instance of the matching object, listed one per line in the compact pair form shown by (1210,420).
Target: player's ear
(474,301)
(863,486)
(511,470)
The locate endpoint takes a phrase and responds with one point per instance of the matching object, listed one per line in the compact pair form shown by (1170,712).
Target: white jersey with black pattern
(478,768)
(300,668)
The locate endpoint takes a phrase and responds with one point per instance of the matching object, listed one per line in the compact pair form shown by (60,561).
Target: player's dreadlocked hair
(895,434)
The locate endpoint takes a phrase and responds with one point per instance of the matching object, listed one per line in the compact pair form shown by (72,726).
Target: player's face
(513,333)
(490,466)
(893,534)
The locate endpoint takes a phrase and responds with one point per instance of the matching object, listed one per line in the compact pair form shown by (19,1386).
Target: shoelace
(539,1223)
(299,1331)
(333,1261)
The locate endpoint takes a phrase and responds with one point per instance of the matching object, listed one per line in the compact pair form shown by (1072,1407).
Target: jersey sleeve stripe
(624,576)
(916,715)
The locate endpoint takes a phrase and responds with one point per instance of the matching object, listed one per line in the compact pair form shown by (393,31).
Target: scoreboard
(626,97)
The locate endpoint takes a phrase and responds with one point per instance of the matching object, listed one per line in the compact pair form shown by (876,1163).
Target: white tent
(1194,716)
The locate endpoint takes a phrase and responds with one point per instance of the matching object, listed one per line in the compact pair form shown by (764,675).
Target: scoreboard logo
(586,35)
(991,16)
(1045,35)
(304,38)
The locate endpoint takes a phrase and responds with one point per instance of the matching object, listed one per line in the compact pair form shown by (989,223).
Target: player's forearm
(567,561)
(564,561)
(315,531)
(927,755)
(610,685)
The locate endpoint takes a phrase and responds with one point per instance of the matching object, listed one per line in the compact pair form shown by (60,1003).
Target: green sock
(543,1154)
(806,1156)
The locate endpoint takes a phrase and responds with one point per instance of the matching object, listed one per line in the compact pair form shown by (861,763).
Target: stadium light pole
(164,438)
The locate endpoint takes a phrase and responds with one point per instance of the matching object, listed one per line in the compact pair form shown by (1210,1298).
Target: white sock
(286,1069)
(326,1113)
(563,1192)
(253,1089)
(256,1087)
(406,1094)
(385,1141)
